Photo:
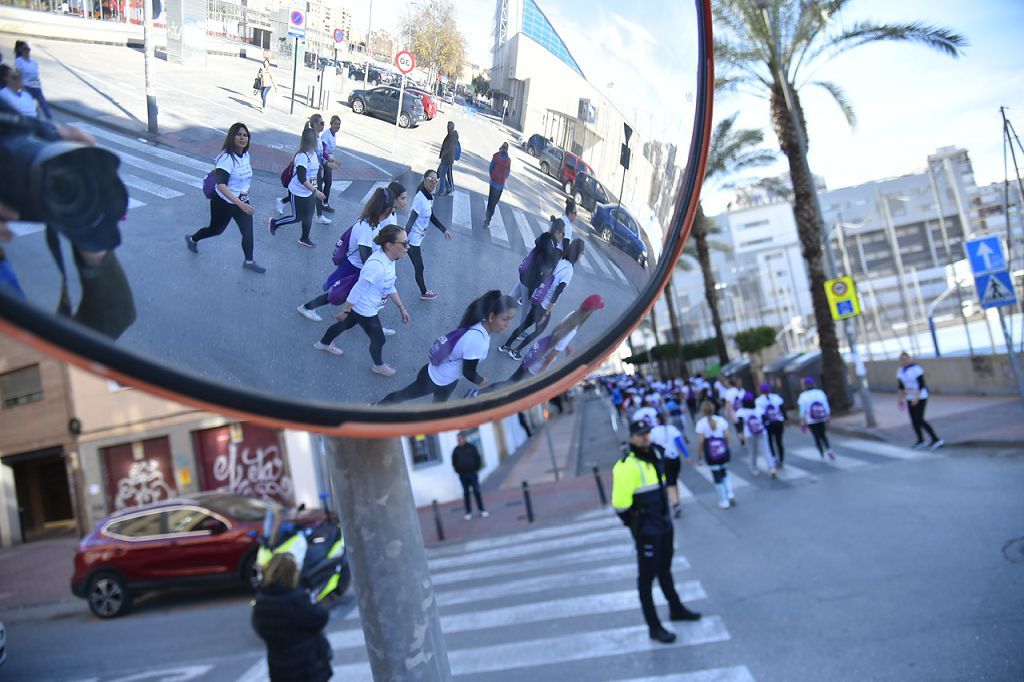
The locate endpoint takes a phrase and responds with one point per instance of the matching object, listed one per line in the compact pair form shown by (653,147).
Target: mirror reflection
(386,237)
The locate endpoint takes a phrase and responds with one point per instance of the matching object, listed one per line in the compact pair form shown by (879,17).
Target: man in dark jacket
(447,156)
(467,462)
(641,501)
(501,168)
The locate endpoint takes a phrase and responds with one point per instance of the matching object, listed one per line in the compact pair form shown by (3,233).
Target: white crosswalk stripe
(497,227)
(604,521)
(462,216)
(585,262)
(879,448)
(525,229)
(811,455)
(597,258)
(373,188)
(135,182)
(149,149)
(339,186)
(135,203)
(737,482)
(739,673)
(161,170)
(526,549)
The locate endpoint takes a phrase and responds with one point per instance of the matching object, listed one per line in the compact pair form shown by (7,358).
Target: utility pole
(366,66)
(148,57)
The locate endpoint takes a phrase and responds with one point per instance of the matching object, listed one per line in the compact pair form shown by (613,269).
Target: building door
(44,499)
(246,459)
(139,473)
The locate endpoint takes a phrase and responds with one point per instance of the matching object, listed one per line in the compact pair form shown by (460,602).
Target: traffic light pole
(387,558)
(295,71)
(148,57)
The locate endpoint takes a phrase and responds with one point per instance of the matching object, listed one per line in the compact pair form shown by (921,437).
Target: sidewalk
(36,573)
(981,421)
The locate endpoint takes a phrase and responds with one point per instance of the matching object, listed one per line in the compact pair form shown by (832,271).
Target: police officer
(640,499)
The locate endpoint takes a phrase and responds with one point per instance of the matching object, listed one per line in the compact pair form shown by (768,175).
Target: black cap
(639,426)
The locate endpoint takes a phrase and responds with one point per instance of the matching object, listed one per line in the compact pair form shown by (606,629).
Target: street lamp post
(897,255)
(148,57)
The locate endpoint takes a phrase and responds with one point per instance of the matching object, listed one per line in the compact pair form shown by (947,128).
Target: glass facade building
(537,26)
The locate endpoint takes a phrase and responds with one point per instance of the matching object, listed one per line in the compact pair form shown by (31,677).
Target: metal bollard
(600,486)
(529,504)
(437,521)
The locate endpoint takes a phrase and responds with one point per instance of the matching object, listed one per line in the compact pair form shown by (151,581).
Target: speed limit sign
(839,288)
(405,61)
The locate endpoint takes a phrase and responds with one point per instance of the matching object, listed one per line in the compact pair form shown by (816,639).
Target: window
(186,521)
(537,26)
(141,526)
(425,450)
(756,223)
(21,386)
(754,242)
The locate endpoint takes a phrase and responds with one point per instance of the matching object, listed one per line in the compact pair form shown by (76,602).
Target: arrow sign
(985,255)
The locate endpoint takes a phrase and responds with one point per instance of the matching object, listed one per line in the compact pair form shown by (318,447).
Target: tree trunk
(677,336)
(700,236)
(809,228)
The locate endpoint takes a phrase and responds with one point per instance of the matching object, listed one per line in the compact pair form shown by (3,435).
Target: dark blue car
(617,227)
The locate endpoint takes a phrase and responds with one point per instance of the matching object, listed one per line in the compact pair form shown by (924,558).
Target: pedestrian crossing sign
(995,289)
(842,298)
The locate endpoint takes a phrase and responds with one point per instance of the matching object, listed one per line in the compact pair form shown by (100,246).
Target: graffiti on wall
(253,471)
(144,484)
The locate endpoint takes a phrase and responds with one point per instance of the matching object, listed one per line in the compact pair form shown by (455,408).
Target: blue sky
(909,99)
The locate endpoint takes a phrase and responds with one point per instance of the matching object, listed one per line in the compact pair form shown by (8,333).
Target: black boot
(662,635)
(684,613)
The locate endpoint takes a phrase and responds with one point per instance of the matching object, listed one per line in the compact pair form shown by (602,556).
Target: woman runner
(420,216)
(302,188)
(713,445)
(912,390)
(814,414)
(772,407)
(539,262)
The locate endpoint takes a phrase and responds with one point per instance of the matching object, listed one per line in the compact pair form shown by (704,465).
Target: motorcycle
(319,550)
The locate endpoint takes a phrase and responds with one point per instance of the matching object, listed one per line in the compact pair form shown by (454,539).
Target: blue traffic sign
(985,255)
(995,289)
(297,18)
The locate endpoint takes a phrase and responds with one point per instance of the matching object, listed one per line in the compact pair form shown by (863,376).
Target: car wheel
(531,150)
(567,187)
(404,121)
(606,234)
(108,595)
(358,106)
(578,198)
(544,167)
(251,572)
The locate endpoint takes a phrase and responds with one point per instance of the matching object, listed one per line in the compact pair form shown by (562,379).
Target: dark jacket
(544,261)
(451,140)
(292,627)
(466,459)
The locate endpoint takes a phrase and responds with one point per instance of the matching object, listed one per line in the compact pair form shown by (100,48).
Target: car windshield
(239,507)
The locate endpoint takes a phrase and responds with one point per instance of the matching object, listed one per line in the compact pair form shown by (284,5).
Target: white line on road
(142,185)
(152,150)
(462,215)
(604,553)
(792,473)
(338,187)
(497,226)
(177,176)
(598,259)
(811,455)
(605,521)
(875,447)
(362,159)
(585,262)
(737,482)
(609,535)
(739,673)
(524,228)
(369,192)
(135,203)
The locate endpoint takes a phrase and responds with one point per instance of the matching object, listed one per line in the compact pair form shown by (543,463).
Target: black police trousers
(654,560)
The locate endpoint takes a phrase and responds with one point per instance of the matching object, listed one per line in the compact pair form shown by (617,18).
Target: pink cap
(593,302)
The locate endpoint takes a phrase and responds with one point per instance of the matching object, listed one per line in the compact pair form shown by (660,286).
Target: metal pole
(295,70)
(600,486)
(398,115)
(551,449)
(147,38)
(397,608)
(1011,355)
(437,520)
(529,504)
(366,66)
(894,245)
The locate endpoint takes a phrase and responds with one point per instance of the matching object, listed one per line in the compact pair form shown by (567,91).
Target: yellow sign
(842,298)
(185,477)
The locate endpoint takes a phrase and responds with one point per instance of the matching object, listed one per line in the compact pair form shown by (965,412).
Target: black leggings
(317,302)
(536,314)
(820,439)
(302,211)
(416,258)
(918,422)
(324,178)
(518,375)
(222,213)
(370,325)
(775,430)
(423,385)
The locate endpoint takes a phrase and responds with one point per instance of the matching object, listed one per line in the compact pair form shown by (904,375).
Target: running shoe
(322,220)
(272,226)
(831,455)
(515,355)
(279,206)
(428,296)
(724,505)
(504,349)
(732,501)
(329,209)
(920,445)
(383,370)
(252,265)
(309,314)
(936,445)
(775,474)
(191,244)
(328,348)
(485,514)
(468,517)
(472,393)
(307,243)
(388,331)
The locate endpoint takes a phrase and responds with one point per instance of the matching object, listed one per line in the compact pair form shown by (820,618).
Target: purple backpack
(341,247)
(540,292)
(339,291)
(444,345)
(817,411)
(538,350)
(209,183)
(716,450)
(771,413)
(754,425)
(527,263)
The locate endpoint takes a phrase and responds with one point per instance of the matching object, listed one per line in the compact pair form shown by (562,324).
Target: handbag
(257,84)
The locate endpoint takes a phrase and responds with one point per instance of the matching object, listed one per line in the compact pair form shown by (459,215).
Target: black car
(537,144)
(383,102)
(589,192)
(357,71)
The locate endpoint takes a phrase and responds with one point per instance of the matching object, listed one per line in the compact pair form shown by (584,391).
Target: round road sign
(339,35)
(839,288)
(405,61)
(297,18)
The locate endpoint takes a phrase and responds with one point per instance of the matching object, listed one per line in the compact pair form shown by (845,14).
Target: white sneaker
(328,348)
(279,206)
(388,331)
(309,314)
(383,370)
(322,220)
(485,514)
(468,517)
(936,445)
(722,504)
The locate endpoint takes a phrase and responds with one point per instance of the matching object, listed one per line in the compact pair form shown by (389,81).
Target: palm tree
(772,48)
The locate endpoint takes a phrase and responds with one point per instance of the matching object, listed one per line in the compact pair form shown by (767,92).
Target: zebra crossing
(550,604)
(154,174)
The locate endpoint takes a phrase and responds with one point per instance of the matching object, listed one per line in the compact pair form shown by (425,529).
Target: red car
(181,542)
(429,106)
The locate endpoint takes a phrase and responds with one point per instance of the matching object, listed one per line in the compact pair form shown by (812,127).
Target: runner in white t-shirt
(774,411)
(670,439)
(302,188)
(421,216)
(814,413)
(753,433)
(912,391)
(491,313)
(713,447)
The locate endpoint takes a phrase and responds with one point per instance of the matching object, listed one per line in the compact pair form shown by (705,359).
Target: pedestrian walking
(447,156)
(499,171)
(329,164)
(913,397)
(569,220)
(29,69)
(713,447)
(774,412)
(640,499)
(670,440)
(264,84)
(291,625)
(646,412)
(375,285)
(467,462)
(420,216)
(460,352)
(753,434)
(348,254)
(539,262)
(814,415)
(302,189)
(230,199)
(14,93)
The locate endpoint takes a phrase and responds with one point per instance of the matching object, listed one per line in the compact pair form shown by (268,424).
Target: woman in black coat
(291,626)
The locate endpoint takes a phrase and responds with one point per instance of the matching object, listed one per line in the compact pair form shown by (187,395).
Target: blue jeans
(263,93)
(471,485)
(446,181)
(37,95)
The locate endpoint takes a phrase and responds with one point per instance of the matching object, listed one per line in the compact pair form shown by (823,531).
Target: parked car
(589,192)
(429,106)
(614,225)
(356,72)
(537,144)
(202,538)
(562,166)
(383,102)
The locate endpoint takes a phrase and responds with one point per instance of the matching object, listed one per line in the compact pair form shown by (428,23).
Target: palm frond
(840,97)
(942,39)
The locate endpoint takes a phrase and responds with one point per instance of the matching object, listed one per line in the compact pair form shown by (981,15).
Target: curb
(882,438)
